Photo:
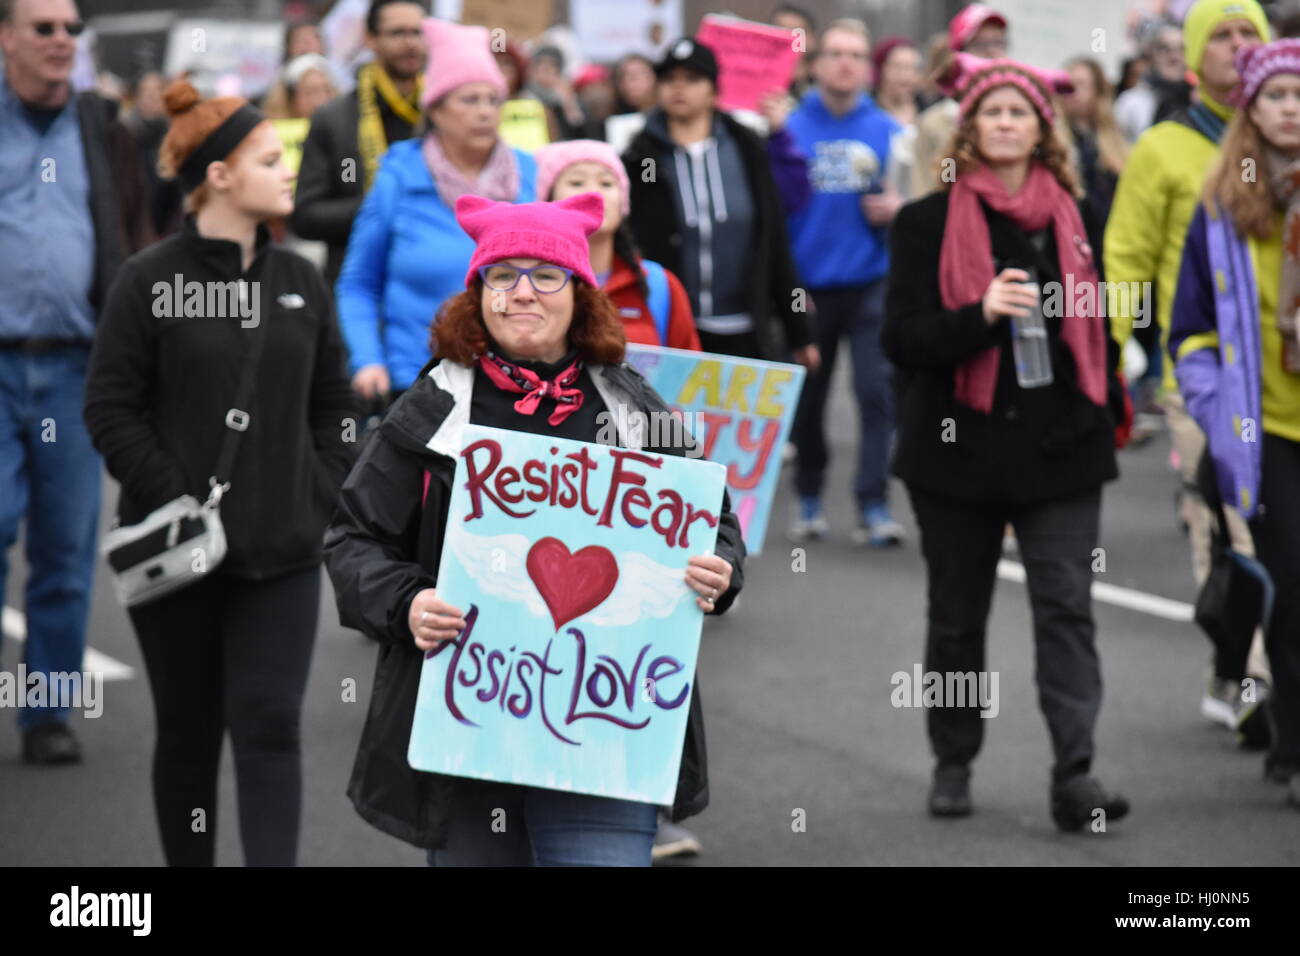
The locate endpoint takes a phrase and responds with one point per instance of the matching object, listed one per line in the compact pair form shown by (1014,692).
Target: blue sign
(575,668)
(741,411)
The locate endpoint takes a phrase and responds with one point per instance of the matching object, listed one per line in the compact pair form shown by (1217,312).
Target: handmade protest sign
(740,410)
(753,59)
(576,664)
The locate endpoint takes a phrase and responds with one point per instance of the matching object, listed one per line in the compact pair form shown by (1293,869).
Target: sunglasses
(45,28)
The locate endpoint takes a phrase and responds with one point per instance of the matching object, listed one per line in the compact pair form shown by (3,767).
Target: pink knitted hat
(557,157)
(457,55)
(970,77)
(554,232)
(1259,62)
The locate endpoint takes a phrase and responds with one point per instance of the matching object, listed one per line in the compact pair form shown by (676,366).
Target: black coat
(384,547)
(327,199)
(773,277)
(1035,444)
(158,389)
(119,205)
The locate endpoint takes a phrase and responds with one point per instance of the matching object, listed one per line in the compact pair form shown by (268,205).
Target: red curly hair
(460,334)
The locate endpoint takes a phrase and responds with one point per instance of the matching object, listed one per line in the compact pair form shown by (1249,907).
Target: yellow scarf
(371,141)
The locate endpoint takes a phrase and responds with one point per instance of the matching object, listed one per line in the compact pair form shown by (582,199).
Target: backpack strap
(659,299)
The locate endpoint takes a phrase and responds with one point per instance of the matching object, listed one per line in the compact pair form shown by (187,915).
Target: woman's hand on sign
(432,620)
(809,357)
(1008,295)
(709,576)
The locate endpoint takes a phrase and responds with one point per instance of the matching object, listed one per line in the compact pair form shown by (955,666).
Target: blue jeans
(50,473)
(495,824)
(858,313)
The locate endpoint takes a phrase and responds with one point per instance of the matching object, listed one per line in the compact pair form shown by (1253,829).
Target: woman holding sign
(1008,402)
(531,323)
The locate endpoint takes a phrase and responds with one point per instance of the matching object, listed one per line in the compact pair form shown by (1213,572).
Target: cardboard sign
(575,668)
(520,21)
(753,59)
(740,409)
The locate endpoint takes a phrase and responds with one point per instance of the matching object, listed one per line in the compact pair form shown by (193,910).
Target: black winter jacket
(158,389)
(772,276)
(1035,444)
(384,546)
(327,200)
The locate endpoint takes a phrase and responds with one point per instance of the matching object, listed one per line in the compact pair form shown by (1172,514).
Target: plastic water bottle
(1029,340)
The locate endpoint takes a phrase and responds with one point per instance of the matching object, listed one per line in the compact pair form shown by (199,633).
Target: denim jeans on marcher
(858,313)
(494,824)
(49,474)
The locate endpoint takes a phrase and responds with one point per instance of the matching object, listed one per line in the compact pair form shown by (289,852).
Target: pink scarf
(966,268)
(499,179)
(512,378)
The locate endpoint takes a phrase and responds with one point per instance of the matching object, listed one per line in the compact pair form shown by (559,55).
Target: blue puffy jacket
(406,256)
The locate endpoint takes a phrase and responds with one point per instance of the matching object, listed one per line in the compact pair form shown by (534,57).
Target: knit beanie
(457,55)
(969,77)
(1255,64)
(554,232)
(554,159)
(1204,18)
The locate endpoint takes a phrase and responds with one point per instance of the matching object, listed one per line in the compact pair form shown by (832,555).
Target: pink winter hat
(969,77)
(554,232)
(457,55)
(1258,62)
(555,158)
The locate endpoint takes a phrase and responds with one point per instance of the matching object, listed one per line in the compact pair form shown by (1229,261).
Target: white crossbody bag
(179,543)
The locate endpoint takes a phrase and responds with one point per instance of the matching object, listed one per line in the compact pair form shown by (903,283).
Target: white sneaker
(1218,706)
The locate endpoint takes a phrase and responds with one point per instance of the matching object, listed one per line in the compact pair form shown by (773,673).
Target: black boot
(950,792)
(1075,802)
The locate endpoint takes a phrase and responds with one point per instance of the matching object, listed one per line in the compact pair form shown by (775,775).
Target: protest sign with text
(576,665)
(741,411)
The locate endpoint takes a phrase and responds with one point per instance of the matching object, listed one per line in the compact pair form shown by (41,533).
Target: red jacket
(638,323)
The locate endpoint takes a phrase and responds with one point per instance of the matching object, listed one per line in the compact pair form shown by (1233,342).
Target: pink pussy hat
(969,77)
(555,158)
(457,55)
(554,232)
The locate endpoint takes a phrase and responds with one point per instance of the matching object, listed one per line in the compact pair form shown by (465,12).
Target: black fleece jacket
(160,384)
(1035,444)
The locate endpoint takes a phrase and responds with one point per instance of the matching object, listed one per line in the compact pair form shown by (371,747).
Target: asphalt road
(796,687)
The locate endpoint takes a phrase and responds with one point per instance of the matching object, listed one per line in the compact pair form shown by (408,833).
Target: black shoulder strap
(237,416)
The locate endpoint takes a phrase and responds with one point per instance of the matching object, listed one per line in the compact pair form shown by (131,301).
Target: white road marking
(14,625)
(1140,601)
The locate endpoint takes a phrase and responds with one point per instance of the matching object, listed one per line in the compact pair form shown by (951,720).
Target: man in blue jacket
(840,246)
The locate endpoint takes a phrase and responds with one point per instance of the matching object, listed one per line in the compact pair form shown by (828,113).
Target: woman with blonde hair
(1102,150)
(1234,339)
(1007,413)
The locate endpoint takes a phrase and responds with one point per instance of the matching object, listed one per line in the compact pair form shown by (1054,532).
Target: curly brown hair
(460,334)
(1052,150)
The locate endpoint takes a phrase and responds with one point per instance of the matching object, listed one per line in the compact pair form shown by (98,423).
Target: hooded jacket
(384,547)
(770,277)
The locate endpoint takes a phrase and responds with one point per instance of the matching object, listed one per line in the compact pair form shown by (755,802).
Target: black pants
(962,543)
(855,314)
(227,654)
(1276,530)
(741,344)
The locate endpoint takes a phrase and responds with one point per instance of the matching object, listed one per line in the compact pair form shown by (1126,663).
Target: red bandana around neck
(966,268)
(510,377)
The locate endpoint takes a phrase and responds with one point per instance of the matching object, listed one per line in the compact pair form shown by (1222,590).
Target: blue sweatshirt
(834,245)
